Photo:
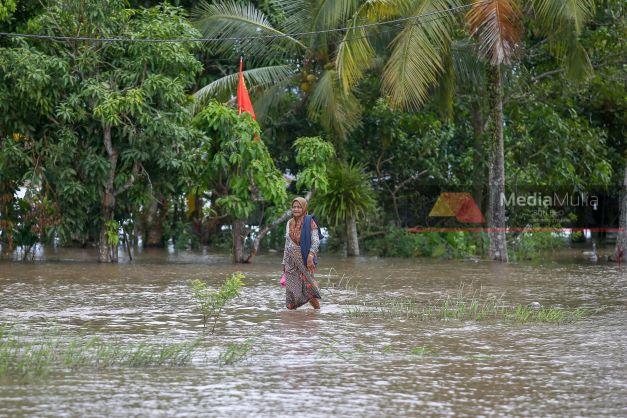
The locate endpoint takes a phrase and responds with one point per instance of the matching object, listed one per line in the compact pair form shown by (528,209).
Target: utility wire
(243,38)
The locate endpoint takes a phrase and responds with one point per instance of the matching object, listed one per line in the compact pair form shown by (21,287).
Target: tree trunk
(352,239)
(479,174)
(108,253)
(496,205)
(155,220)
(621,239)
(238,241)
(6,223)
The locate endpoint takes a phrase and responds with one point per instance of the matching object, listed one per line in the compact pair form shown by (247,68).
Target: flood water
(322,363)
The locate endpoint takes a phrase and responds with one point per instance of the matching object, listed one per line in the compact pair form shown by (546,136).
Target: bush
(532,245)
(210,302)
(397,242)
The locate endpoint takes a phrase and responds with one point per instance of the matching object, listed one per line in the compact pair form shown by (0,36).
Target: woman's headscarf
(297,223)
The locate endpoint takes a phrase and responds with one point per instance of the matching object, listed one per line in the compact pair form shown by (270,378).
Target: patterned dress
(300,285)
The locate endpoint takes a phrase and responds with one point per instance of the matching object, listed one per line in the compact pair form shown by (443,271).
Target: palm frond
(496,24)
(469,69)
(255,78)
(573,57)
(270,97)
(355,54)
(349,194)
(374,10)
(337,111)
(292,16)
(563,21)
(416,59)
(445,91)
(229,20)
(329,13)
(556,14)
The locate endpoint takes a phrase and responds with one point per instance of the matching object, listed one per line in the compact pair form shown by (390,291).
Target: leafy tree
(7,7)
(497,26)
(313,155)
(236,168)
(98,116)
(418,60)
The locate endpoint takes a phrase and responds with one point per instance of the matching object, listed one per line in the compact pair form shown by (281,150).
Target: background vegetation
(115,145)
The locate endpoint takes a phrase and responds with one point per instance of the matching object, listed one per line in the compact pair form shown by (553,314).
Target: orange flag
(243,99)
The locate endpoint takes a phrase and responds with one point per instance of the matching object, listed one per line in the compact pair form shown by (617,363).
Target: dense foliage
(107,143)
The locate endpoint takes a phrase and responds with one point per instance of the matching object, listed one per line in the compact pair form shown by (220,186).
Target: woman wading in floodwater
(302,240)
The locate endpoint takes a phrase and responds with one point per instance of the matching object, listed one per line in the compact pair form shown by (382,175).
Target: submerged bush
(398,242)
(531,245)
(211,302)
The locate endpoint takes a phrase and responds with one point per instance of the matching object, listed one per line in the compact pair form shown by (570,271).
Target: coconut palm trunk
(621,239)
(496,206)
(496,26)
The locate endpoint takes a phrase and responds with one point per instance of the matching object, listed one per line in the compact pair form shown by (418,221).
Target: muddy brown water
(323,363)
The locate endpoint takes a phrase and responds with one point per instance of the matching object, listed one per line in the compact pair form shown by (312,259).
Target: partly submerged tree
(621,239)
(236,168)
(239,173)
(99,119)
(497,26)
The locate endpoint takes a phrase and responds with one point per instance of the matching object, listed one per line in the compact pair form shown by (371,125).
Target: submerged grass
(343,283)
(235,352)
(466,306)
(22,357)
(334,348)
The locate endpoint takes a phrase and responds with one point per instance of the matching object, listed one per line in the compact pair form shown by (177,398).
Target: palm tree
(418,60)
(348,198)
(621,239)
(497,26)
(283,62)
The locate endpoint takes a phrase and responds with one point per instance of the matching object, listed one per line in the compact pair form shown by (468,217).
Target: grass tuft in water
(343,283)
(235,352)
(466,306)
(421,351)
(22,357)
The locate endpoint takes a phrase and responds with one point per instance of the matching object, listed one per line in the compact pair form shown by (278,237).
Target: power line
(243,38)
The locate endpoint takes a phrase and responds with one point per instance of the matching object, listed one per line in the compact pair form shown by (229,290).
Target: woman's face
(297,209)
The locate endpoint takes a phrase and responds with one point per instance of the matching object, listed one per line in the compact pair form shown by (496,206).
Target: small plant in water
(344,283)
(211,302)
(421,351)
(235,352)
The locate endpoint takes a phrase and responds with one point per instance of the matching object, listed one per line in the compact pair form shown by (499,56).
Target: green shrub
(211,302)
(532,245)
(397,242)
